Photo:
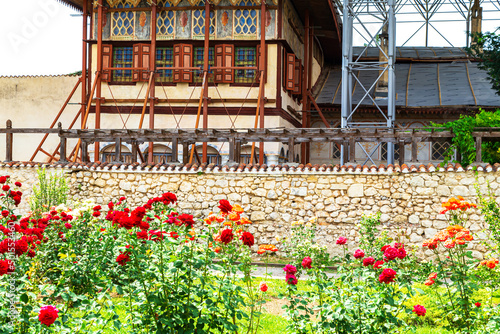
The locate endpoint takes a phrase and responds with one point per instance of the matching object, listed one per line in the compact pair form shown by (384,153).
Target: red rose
(368,261)
(263,286)
(341,240)
(358,254)
(187,219)
(387,276)
(122,198)
(6,267)
(384,248)
(68,225)
(142,235)
(306,262)
(111,205)
(391,253)
(291,279)
(96,213)
(169,198)
(224,206)
(3,179)
(5,245)
(5,213)
(478,304)
(21,246)
(226,236)
(97,208)
(5,187)
(18,184)
(47,315)
(247,239)
(123,258)
(419,310)
(401,253)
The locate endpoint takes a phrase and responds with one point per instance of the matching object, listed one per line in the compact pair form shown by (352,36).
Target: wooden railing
(238,137)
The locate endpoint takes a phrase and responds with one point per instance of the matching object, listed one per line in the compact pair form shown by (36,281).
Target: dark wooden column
(263,65)
(152,71)
(100,13)
(205,71)
(305,80)
(84,60)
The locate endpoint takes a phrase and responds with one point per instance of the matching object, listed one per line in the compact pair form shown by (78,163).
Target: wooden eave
(325,19)
(75,4)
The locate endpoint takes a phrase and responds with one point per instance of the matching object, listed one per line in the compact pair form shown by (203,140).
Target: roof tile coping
(254,168)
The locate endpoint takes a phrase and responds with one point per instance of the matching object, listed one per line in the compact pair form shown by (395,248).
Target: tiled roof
(242,168)
(41,76)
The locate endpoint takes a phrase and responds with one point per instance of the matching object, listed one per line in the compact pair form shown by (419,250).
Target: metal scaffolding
(384,78)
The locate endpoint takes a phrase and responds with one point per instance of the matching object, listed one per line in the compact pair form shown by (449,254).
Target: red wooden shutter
(228,55)
(224,57)
(107,62)
(177,62)
(183,57)
(297,78)
(290,71)
(141,59)
(219,62)
(136,75)
(145,54)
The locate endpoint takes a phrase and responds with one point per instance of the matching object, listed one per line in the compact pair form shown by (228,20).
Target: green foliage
(491,211)
(464,143)
(370,239)
(52,190)
(486,48)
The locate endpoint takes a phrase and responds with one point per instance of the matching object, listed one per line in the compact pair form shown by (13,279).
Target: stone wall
(409,202)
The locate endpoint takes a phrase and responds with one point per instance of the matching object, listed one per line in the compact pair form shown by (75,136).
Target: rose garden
(119,267)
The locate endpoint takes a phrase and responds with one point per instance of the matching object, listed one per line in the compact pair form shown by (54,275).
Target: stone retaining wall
(409,202)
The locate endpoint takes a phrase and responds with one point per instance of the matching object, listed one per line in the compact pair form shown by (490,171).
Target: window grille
(199,22)
(336,151)
(164,58)
(165,24)
(122,57)
(383,152)
(245,56)
(199,60)
(439,150)
(245,20)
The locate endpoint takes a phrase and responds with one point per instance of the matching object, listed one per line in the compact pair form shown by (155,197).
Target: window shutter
(297,78)
(290,71)
(228,54)
(183,57)
(136,75)
(141,59)
(107,61)
(177,62)
(219,62)
(224,57)
(145,53)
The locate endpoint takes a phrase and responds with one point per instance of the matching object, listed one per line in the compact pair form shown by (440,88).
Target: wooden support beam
(401,152)
(200,103)
(232,144)
(135,148)
(118,150)
(352,150)
(263,68)
(185,153)
(291,151)
(205,70)
(9,137)
(62,145)
(175,150)
(414,149)
(84,148)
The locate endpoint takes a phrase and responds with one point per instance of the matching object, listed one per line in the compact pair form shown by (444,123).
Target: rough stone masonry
(409,202)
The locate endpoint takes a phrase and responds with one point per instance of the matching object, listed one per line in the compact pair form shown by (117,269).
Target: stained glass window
(245,56)
(122,57)
(164,58)
(199,22)
(165,22)
(123,23)
(245,20)
(199,57)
